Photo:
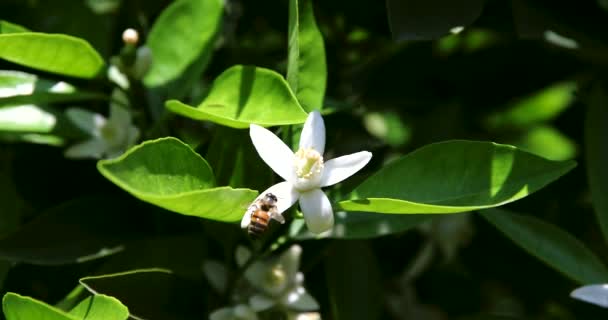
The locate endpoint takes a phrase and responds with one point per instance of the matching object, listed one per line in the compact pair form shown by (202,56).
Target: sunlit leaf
(184,30)
(57,53)
(17,307)
(8,27)
(429,20)
(151,293)
(243,95)
(547,142)
(539,107)
(168,173)
(550,244)
(455,176)
(596,152)
(306,67)
(100,307)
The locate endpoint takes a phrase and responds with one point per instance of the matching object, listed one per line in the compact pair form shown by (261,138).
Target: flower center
(112,134)
(308,163)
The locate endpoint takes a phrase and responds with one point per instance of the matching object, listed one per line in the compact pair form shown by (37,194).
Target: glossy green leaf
(28,118)
(185,30)
(8,27)
(57,53)
(596,152)
(100,307)
(552,245)
(430,19)
(547,142)
(306,66)
(361,225)
(36,138)
(242,95)
(455,176)
(64,234)
(539,107)
(151,293)
(168,173)
(17,307)
(20,88)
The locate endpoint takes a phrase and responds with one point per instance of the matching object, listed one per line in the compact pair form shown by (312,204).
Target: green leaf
(455,176)
(168,173)
(28,118)
(361,225)
(242,95)
(100,307)
(430,19)
(596,152)
(8,27)
(64,235)
(306,66)
(151,293)
(185,30)
(542,106)
(547,142)
(18,307)
(550,244)
(57,53)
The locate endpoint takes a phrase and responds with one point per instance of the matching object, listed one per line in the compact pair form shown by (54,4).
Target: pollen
(308,163)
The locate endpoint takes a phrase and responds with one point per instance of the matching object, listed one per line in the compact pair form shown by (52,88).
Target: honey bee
(261,211)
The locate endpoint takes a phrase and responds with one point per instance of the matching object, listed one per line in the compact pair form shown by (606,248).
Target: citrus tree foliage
(209,159)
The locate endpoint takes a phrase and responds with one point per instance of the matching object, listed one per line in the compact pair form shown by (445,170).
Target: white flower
(238,312)
(305,172)
(109,137)
(280,283)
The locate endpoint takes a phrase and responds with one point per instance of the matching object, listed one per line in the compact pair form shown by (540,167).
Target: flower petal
(343,167)
(120,116)
(286,197)
(318,214)
(273,151)
(92,148)
(85,120)
(299,299)
(313,133)
(260,302)
(596,294)
(290,261)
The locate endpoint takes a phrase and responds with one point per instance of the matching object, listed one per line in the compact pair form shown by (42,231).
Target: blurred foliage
(519,72)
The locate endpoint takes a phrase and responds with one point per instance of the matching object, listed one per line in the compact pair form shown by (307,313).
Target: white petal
(299,299)
(286,197)
(596,294)
(273,151)
(317,211)
(221,314)
(313,133)
(120,116)
(260,302)
(290,260)
(92,148)
(87,121)
(343,167)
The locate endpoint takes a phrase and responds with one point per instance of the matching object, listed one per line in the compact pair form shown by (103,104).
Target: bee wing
(247,217)
(274,214)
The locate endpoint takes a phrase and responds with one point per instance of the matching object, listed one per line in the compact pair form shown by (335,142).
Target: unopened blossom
(109,137)
(305,172)
(279,283)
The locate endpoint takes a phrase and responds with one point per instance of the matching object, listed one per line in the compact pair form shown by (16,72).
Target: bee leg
(274,214)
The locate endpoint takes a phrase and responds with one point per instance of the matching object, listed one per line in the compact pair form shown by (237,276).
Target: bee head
(271,197)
